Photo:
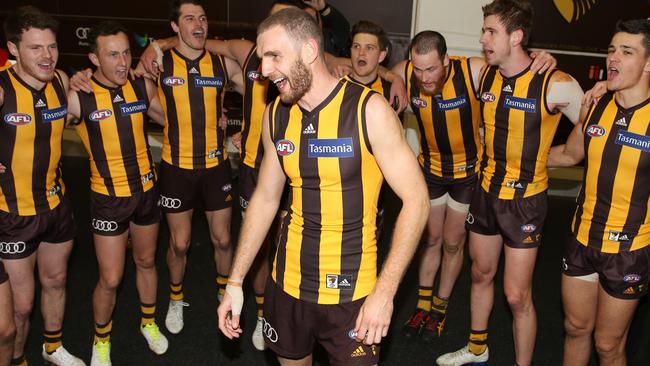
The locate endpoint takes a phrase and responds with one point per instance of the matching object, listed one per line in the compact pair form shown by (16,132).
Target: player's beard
(300,78)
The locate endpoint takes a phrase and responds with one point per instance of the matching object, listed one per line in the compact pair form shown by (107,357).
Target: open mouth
(361,63)
(281,83)
(198,34)
(612,72)
(46,66)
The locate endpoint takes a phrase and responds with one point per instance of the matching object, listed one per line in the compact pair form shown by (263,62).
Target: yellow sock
(424,297)
(259,302)
(478,341)
(148,312)
(439,305)
(19,361)
(176,291)
(221,282)
(52,340)
(103,332)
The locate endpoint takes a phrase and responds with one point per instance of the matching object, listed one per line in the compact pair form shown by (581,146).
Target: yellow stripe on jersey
(519,130)
(380,85)
(613,205)
(30,136)
(449,138)
(327,248)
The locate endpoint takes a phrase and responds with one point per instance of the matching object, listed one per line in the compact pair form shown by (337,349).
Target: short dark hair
(175,7)
(636,26)
(514,14)
(106,28)
(299,25)
(25,17)
(365,26)
(427,41)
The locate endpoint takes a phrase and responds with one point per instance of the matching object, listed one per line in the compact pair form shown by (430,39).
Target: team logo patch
(100,115)
(523,104)
(54,190)
(51,115)
(488,97)
(450,104)
(147,178)
(285,147)
(595,131)
(619,236)
(208,82)
(330,148)
(17,119)
(255,75)
(419,102)
(227,187)
(174,81)
(213,154)
(528,228)
(516,184)
(135,107)
(632,278)
(633,140)
(341,282)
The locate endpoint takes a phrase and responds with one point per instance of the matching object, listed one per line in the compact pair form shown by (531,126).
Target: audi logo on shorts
(167,202)
(103,225)
(470,218)
(12,247)
(269,332)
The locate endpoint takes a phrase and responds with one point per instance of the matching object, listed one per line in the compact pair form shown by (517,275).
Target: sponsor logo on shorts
(17,119)
(100,115)
(632,278)
(330,148)
(104,225)
(12,247)
(523,104)
(54,190)
(595,131)
(450,104)
(227,187)
(131,108)
(51,115)
(208,82)
(470,218)
(565,266)
(213,154)
(633,140)
(488,97)
(531,239)
(147,178)
(619,236)
(243,203)
(255,76)
(269,332)
(341,282)
(168,202)
(629,291)
(516,184)
(419,102)
(285,147)
(528,228)
(228,198)
(174,81)
(358,352)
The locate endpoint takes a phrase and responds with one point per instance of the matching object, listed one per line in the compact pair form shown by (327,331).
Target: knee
(54,281)
(482,273)
(577,328)
(179,244)
(608,347)
(221,242)
(22,310)
(145,262)
(7,333)
(110,281)
(452,245)
(519,300)
(433,240)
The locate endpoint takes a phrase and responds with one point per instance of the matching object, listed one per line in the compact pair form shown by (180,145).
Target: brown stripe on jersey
(386,85)
(487,79)
(197,113)
(171,124)
(42,150)
(532,133)
(277,113)
(8,139)
(352,197)
(441,132)
(414,91)
(466,116)
(500,141)
(127,139)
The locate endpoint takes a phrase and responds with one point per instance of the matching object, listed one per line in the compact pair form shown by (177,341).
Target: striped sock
(148,312)
(259,302)
(477,341)
(424,297)
(221,282)
(176,291)
(439,305)
(52,340)
(19,361)
(103,332)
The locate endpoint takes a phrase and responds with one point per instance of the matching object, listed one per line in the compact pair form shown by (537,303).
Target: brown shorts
(461,189)
(20,236)
(247,183)
(624,275)
(292,326)
(186,189)
(519,221)
(111,215)
(3,274)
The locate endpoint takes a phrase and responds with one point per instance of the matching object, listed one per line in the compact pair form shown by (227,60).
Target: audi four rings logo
(12,247)
(103,225)
(167,202)
(269,332)
(82,32)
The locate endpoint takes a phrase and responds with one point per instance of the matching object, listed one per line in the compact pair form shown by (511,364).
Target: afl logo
(285,147)
(101,114)
(255,75)
(595,131)
(528,228)
(488,97)
(173,81)
(632,278)
(419,102)
(18,119)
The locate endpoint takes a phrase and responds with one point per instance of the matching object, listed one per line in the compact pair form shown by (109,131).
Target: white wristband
(237,295)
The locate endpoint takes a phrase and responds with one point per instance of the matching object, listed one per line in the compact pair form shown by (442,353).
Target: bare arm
(236,49)
(155,111)
(397,87)
(235,75)
(260,213)
(571,153)
(74,108)
(402,172)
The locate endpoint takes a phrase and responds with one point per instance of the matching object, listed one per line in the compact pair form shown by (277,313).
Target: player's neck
(364,79)
(103,80)
(27,78)
(322,85)
(187,51)
(517,62)
(630,97)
